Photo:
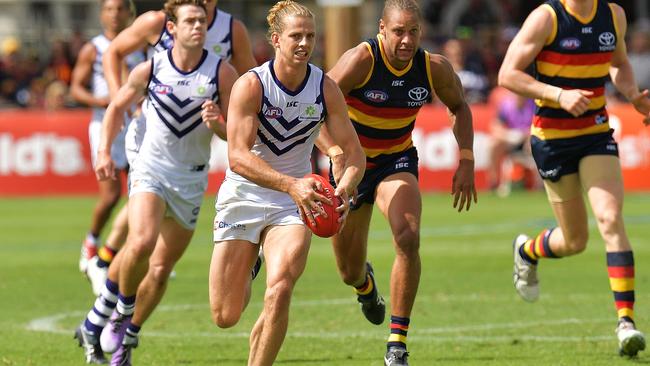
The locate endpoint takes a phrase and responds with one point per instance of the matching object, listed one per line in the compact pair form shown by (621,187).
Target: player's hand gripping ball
(325,226)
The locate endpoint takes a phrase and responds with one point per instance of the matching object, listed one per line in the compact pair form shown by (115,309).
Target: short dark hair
(408,5)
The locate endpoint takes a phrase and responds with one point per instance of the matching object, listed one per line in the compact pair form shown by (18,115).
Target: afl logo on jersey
(570,43)
(162,89)
(273,112)
(418,94)
(376,96)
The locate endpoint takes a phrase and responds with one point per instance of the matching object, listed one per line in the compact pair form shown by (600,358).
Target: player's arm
(144,30)
(129,93)
(350,71)
(447,86)
(81,75)
(342,134)
(242,52)
(621,71)
(537,31)
(245,103)
(212,114)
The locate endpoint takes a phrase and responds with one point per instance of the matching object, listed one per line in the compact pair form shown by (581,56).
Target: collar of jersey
(581,19)
(388,65)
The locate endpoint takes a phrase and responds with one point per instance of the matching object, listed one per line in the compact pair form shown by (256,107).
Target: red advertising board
(47,153)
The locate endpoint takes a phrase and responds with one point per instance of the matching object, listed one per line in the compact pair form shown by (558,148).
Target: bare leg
(170,246)
(285,250)
(230,278)
(146,211)
(398,198)
(109,195)
(350,246)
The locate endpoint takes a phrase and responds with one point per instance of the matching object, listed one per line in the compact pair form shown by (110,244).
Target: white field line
(446,334)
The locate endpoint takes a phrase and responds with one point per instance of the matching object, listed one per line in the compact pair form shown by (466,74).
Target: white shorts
(183,202)
(246,220)
(118,153)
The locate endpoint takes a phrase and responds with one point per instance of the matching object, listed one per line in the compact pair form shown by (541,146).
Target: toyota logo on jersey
(418,94)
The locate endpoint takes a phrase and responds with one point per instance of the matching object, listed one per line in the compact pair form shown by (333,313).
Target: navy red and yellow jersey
(384,106)
(577,55)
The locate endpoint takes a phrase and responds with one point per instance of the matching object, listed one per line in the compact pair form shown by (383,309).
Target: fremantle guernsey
(383,108)
(218,39)
(290,121)
(576,56)
(98,83)
(176,144)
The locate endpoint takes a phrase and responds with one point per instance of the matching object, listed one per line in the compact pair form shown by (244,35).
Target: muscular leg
(170,246)
(398,198)
(146,211)
(109,195)
(230,278)
(285,251)
(117,236)
(571,215)
(601,178)
(350,246)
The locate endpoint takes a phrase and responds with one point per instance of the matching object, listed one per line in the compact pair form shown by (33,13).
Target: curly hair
(171,6)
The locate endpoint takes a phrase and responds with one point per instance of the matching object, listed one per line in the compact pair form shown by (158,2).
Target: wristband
(552,93)
(466,154)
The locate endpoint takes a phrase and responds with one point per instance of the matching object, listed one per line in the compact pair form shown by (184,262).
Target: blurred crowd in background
(472,34)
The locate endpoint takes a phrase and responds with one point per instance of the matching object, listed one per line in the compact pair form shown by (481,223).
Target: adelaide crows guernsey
(383,108)
(577,56)
(176,143)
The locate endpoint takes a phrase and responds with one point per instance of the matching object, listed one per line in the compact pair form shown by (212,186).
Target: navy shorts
(405,161)
(558,157)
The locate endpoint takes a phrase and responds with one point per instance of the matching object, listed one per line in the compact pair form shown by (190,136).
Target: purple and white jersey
(217,41)
(176,143)
(290,121)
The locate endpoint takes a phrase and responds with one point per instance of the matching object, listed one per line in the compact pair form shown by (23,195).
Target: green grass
(466,313)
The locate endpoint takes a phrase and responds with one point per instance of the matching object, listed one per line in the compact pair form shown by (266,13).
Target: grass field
(466,313)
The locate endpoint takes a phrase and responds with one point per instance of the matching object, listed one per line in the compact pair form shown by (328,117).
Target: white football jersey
(98,83)
(176,143)
(289,124)
(218,40)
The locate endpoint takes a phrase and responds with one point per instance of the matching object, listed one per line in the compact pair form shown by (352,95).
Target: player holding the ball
(277,109)
(386,80)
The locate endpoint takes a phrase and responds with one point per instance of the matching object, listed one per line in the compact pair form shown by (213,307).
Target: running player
(115,16)
(386,80)
(227,37)
(577,45)
(186,87)
(278,108)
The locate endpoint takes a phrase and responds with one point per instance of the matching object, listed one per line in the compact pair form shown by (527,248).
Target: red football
(325,227)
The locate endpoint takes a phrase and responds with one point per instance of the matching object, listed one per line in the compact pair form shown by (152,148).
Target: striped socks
(398,329)
(538,247)
(365,291)
(102,309)
(105,256)
(126,305)
(620,267)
